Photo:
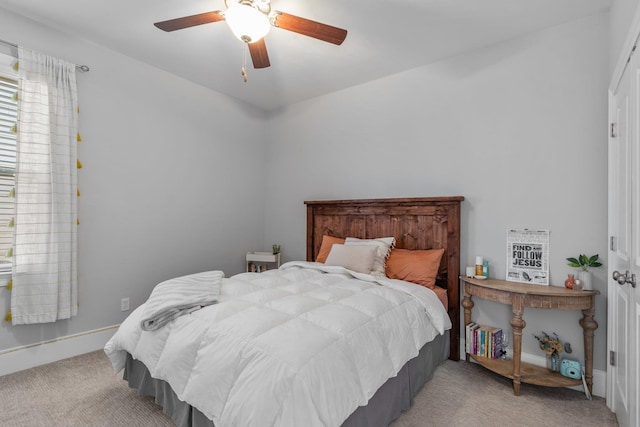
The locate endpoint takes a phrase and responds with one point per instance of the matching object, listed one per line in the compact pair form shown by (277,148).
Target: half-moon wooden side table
(519,296)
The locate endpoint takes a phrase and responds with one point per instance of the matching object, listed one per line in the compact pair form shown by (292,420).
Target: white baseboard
(28,356)
(599,377)
(25,357)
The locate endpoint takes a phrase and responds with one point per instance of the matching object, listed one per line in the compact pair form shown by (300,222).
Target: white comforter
(297,346)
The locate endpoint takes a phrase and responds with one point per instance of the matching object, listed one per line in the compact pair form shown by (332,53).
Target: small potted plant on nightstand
(584,263)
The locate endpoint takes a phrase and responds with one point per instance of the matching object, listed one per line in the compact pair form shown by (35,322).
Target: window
(8,118)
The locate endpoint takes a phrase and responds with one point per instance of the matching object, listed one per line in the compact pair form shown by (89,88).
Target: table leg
(589,325)
(467,303)
(518,324)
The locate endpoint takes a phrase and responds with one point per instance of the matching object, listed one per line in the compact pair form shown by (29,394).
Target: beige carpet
(466,394)
(84,391)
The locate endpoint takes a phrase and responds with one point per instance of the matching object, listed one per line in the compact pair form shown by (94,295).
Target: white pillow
(383,247)
(355,257)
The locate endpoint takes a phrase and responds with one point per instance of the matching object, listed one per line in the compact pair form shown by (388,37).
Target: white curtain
(45,285)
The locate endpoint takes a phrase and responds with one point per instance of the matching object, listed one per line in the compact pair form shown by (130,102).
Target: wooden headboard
(416,223)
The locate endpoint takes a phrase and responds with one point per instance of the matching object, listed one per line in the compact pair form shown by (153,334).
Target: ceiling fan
(251,20)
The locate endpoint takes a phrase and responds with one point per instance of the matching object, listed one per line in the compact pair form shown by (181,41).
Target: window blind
(8,119)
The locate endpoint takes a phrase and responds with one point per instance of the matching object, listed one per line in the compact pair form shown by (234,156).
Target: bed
(325,385)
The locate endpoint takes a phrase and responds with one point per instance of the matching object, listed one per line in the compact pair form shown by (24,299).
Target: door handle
(624,278)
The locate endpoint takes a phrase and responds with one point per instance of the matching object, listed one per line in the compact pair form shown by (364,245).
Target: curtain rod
(83,68)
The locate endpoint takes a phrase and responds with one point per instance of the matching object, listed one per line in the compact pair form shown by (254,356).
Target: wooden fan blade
(259,54)
(190,21)
(310,28)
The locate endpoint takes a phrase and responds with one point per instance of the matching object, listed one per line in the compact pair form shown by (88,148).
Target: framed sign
(528,256)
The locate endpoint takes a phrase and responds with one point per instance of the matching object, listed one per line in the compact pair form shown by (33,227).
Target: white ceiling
(384,37)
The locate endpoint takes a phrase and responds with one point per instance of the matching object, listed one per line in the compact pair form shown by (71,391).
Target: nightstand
(258,262)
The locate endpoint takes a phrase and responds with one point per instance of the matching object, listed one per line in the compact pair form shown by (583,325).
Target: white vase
(585,279)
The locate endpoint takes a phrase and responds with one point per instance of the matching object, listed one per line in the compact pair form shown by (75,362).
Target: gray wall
(168,184)
(622,14)
(518,129)
(173,185)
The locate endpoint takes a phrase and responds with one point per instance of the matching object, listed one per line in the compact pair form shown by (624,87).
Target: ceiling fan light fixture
(246,22)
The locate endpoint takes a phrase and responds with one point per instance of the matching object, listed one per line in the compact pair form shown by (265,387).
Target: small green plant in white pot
(584,263)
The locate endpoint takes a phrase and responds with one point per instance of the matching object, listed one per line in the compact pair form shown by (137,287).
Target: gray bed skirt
(387,404)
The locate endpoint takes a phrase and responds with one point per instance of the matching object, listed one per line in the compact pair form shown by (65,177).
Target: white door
(624,250)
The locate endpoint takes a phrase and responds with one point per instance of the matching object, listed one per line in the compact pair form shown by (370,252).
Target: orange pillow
(418,266)
(325,247)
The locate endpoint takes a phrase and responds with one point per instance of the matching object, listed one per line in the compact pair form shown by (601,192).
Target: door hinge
(612,358)
(613,131)
(612,243)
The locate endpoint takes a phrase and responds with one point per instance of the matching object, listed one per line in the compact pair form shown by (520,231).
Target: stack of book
(484,341)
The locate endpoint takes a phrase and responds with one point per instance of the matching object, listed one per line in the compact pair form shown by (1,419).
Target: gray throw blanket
(182,295)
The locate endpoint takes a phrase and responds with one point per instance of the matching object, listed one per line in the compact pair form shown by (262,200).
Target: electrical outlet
(124,304)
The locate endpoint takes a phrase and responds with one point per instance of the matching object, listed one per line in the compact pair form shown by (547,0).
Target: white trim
(621,62)
(4,278)
(611,319)
(618,73)
(6,64)
(599,377)
(600,382)
(28,356)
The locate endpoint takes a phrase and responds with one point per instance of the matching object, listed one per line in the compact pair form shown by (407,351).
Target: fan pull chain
(244,63)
